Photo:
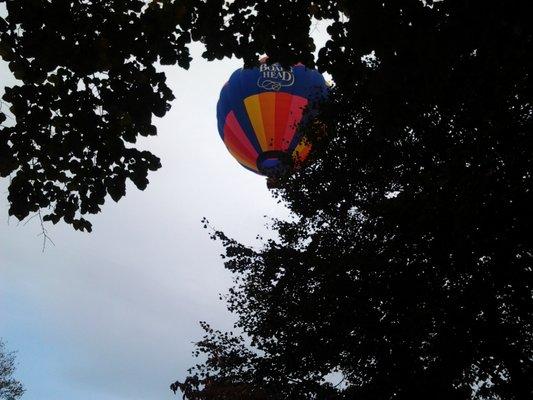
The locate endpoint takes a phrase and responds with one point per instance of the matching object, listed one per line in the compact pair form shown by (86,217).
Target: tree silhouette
(407,272)
(10,388)
(88,90)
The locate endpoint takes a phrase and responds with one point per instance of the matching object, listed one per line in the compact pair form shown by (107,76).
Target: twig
(44,232)
(342,380)
(29,219)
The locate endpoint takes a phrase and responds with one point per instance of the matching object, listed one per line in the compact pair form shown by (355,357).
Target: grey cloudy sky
(112,315)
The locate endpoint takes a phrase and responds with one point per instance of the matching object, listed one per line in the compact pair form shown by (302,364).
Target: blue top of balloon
(259,110)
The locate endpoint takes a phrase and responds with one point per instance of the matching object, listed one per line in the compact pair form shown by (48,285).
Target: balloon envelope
(258,113)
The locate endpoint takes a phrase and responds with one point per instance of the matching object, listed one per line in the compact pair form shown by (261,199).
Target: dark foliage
(10,388)
(88,89)
(409,268)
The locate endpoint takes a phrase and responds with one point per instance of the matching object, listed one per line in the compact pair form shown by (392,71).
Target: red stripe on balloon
(283,105)
(236,140)
(235,148)
(293,119)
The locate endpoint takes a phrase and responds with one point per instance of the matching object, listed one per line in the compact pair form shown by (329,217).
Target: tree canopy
(88,90)
(407,271)
(10,388)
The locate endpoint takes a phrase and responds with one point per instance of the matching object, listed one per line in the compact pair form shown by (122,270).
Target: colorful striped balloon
(259,111)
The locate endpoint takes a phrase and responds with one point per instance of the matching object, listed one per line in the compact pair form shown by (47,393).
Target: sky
(113,314)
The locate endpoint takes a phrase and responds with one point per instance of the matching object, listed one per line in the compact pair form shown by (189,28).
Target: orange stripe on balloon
(268,111)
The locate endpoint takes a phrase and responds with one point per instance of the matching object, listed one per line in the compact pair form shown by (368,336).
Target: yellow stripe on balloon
(253,108)
(268,110)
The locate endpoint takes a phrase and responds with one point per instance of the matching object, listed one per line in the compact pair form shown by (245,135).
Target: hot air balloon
(258,113)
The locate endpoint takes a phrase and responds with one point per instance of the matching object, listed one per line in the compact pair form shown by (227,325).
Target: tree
(10,388)
(89,89)
(408,270)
